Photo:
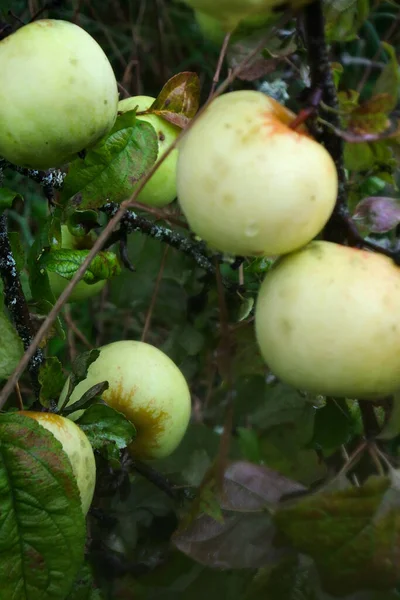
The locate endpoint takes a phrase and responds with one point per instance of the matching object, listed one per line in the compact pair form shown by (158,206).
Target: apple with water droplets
(76,446)
(148,388)
(58,94)
(328,321)
(248,183)
(160,190)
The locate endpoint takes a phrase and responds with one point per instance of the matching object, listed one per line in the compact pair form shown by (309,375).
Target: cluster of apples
(59,96)
(327,316)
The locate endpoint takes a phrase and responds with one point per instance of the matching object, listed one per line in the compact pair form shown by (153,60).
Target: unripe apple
(328,321)
(248,184)
(82,291)
(213,30)
(231,12)
(58,94)
(78,449)
(148,388)
(160,190)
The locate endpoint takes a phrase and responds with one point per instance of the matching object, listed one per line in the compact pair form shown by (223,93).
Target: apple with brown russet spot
(148,388)
(248,183)
(328,321)
(76,446)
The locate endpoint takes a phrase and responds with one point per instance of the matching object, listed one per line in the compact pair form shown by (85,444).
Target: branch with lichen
(131,222)
(49,180)
(15,301)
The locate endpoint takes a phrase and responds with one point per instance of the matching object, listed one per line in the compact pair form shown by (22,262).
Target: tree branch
(322,80)
(49,180)
(16,303)
(132,222)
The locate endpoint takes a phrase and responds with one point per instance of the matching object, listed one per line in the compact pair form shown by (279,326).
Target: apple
(58,94)
(328,321)
(82,291)
(148,388)
(160,190)
(250,185)
(212,29)
(76,446)
(231,12)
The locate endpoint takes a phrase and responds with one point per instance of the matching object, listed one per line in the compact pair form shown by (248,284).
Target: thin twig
(154,296)
(221,59)
(52,179)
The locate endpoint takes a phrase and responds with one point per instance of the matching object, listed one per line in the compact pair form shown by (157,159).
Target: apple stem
(16,302)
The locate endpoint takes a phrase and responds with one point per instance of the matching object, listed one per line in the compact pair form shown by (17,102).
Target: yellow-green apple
(231,12)
(213,30)
(328,321)
(58,94)
(160,190)
(148,388)
(83,290)
(248,183)
(78,449)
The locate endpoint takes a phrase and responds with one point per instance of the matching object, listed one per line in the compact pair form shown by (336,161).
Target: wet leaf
(355,539)
(41,520)
(104,265)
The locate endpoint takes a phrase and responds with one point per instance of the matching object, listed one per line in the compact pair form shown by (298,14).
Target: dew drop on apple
(252,229)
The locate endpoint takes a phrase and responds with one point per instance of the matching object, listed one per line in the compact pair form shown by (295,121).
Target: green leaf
(103,425)
(112,168)
(391,428)
(11,348)
(344,18)
(353,535)
(7,198)
(83,588)
(66,263)
(41,521)
(389,80)
(333,426)
(178,101)
(51,379)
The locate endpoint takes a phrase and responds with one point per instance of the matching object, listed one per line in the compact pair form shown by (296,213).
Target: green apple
(58,94)
(78,449)
(231,12)
(148,388)
(160,190)
(212,29)
(249,184)
(328,321)
(82,291)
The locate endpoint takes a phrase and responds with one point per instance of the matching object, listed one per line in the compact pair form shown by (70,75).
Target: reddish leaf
(378,213)
(244,537)
(178,101)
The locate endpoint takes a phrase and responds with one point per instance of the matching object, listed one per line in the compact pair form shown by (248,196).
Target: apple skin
(78,449)
(58,94)
(212,29)
(328,321)
(82,291)
(148,388)
(160,190)
(231,12)
(248,184)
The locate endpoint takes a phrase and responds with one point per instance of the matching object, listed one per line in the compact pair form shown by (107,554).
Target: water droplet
(251,229)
